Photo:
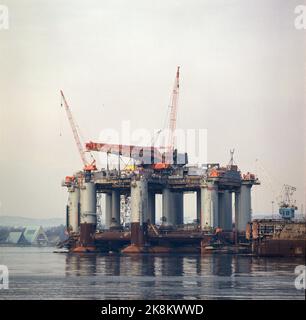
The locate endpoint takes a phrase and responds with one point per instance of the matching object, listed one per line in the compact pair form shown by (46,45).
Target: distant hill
(7,221)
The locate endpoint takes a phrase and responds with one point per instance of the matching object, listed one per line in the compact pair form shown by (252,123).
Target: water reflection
(39,273)
(178,276)
(81,265)
(160,265)
(161,275)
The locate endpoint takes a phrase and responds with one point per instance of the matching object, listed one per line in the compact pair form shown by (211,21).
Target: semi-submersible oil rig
(155,171)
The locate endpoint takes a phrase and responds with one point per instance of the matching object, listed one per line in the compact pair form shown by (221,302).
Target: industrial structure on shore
(279,237)
(156,171)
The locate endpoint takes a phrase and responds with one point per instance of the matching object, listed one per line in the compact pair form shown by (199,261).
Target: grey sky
(242,78)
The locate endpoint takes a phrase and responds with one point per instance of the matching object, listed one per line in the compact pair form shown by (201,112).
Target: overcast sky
(242,78)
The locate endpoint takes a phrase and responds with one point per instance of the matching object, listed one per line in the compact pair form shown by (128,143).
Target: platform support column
(88,200)
(139,206)
(209,205)
(151,216)
(115,223)
(108,210)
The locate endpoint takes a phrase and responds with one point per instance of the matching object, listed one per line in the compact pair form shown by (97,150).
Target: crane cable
(269,179)
(166,118)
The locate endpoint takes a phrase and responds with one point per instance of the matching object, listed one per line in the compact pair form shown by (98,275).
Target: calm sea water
(38,273)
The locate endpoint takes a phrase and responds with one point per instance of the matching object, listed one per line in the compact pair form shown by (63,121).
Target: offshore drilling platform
(156,171)
(214,209)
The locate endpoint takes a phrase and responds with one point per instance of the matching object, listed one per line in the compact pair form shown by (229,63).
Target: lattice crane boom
(173,112)
(87,166)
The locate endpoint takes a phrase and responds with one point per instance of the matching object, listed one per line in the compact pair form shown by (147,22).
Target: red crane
(130,151)
(87,165)
(173,113)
